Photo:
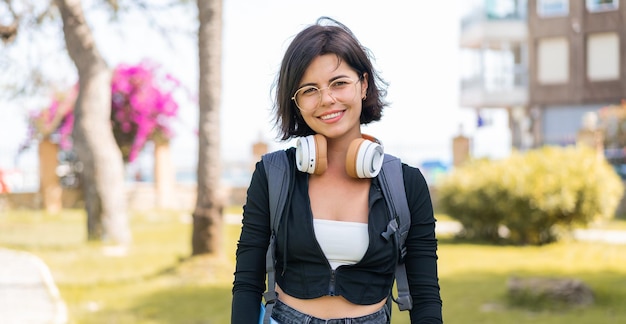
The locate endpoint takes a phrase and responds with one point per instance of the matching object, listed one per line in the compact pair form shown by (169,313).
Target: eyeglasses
(309,97)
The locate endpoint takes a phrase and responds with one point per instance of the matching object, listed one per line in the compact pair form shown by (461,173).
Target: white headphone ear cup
(311,154)
(303,154)
(369,159)
(364,158)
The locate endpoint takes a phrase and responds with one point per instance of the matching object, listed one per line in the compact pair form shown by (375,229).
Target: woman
(332,266)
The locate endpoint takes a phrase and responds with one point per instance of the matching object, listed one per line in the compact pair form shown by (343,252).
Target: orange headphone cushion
(321,160)
(351,156)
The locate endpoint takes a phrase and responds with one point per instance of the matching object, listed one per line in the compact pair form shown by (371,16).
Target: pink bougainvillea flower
(142,105)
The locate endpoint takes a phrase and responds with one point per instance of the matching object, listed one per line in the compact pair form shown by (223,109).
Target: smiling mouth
(330,116)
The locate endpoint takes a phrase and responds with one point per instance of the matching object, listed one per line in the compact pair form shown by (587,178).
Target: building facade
(577,63)
(548,62)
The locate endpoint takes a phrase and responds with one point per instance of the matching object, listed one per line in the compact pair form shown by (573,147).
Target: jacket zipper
(331,284)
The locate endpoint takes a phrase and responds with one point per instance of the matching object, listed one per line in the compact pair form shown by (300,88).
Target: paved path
(598,235)
(28,294)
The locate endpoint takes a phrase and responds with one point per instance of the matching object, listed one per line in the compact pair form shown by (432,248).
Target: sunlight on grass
(155,281)
(560,258)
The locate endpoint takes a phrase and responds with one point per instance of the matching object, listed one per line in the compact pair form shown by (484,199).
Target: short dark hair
(326,36)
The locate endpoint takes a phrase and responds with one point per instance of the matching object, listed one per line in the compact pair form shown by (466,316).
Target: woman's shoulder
(275,155)
(412,175)
(275,158)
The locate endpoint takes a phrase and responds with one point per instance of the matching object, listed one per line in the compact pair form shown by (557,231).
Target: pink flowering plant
(142,106)
(54,122)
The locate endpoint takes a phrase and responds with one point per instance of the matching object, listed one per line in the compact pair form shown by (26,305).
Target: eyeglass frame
(359,79)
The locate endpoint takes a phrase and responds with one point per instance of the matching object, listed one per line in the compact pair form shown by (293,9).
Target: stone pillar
(164,177)
(460,148)
(49,183)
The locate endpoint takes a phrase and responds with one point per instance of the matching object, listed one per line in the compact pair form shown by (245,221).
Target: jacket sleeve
(249,282)
(421,244)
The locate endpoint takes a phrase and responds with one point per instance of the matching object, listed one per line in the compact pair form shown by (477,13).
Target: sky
(415,45)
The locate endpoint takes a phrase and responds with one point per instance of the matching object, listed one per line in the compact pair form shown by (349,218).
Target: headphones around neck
(363,160)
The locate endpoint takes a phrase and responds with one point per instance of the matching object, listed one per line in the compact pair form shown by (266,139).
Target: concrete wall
(140,196)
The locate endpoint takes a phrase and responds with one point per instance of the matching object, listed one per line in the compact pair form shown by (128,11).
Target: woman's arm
(249,283)
(421,244)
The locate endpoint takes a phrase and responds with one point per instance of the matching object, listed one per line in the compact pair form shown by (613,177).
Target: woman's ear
(364,86)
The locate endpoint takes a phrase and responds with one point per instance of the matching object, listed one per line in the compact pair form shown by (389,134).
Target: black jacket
(302,270)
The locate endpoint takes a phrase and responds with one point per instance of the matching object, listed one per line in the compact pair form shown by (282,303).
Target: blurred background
(497,94)
(416,50)
(508,75)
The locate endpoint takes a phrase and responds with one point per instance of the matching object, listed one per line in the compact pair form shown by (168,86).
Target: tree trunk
(103,167)
(207,216)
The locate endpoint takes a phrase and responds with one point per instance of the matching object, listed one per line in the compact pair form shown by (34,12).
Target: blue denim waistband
(283,314)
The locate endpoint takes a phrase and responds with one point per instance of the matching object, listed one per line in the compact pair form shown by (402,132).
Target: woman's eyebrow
(329,81)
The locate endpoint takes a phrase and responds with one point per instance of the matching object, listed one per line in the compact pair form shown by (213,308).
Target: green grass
(156,282)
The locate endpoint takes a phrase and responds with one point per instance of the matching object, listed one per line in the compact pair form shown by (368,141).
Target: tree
(103,174)
(207,215)
(103,167)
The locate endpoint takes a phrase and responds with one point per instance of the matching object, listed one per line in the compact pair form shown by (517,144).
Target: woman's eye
(339,83)
(309,91)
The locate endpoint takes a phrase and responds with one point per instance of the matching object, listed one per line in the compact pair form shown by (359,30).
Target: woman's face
(330,97)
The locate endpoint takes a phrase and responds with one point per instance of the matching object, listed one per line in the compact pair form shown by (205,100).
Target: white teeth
(329,116)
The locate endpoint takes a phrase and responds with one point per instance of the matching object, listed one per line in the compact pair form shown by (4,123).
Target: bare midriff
(328,307)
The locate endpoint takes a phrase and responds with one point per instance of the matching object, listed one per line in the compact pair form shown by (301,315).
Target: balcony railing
(506,79)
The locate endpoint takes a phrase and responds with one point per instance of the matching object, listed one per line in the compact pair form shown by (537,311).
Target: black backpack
(278,170)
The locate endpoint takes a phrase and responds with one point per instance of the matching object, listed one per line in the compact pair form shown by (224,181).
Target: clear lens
(309,97)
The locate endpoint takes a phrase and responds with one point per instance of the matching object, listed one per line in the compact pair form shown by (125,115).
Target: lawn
(155,281)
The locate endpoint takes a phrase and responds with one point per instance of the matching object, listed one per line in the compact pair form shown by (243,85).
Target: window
(602,5)
(505,9)
(553,60)
(552,8)
(603,57)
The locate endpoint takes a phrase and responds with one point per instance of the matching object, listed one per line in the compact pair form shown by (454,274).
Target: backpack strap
(392,185)
(278,175)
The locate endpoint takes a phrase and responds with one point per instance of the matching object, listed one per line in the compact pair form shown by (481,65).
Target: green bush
(531,194)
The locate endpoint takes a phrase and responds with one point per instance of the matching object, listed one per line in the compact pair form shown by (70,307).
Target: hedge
(527,197)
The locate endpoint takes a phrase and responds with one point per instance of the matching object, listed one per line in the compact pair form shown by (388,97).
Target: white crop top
(343,243)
